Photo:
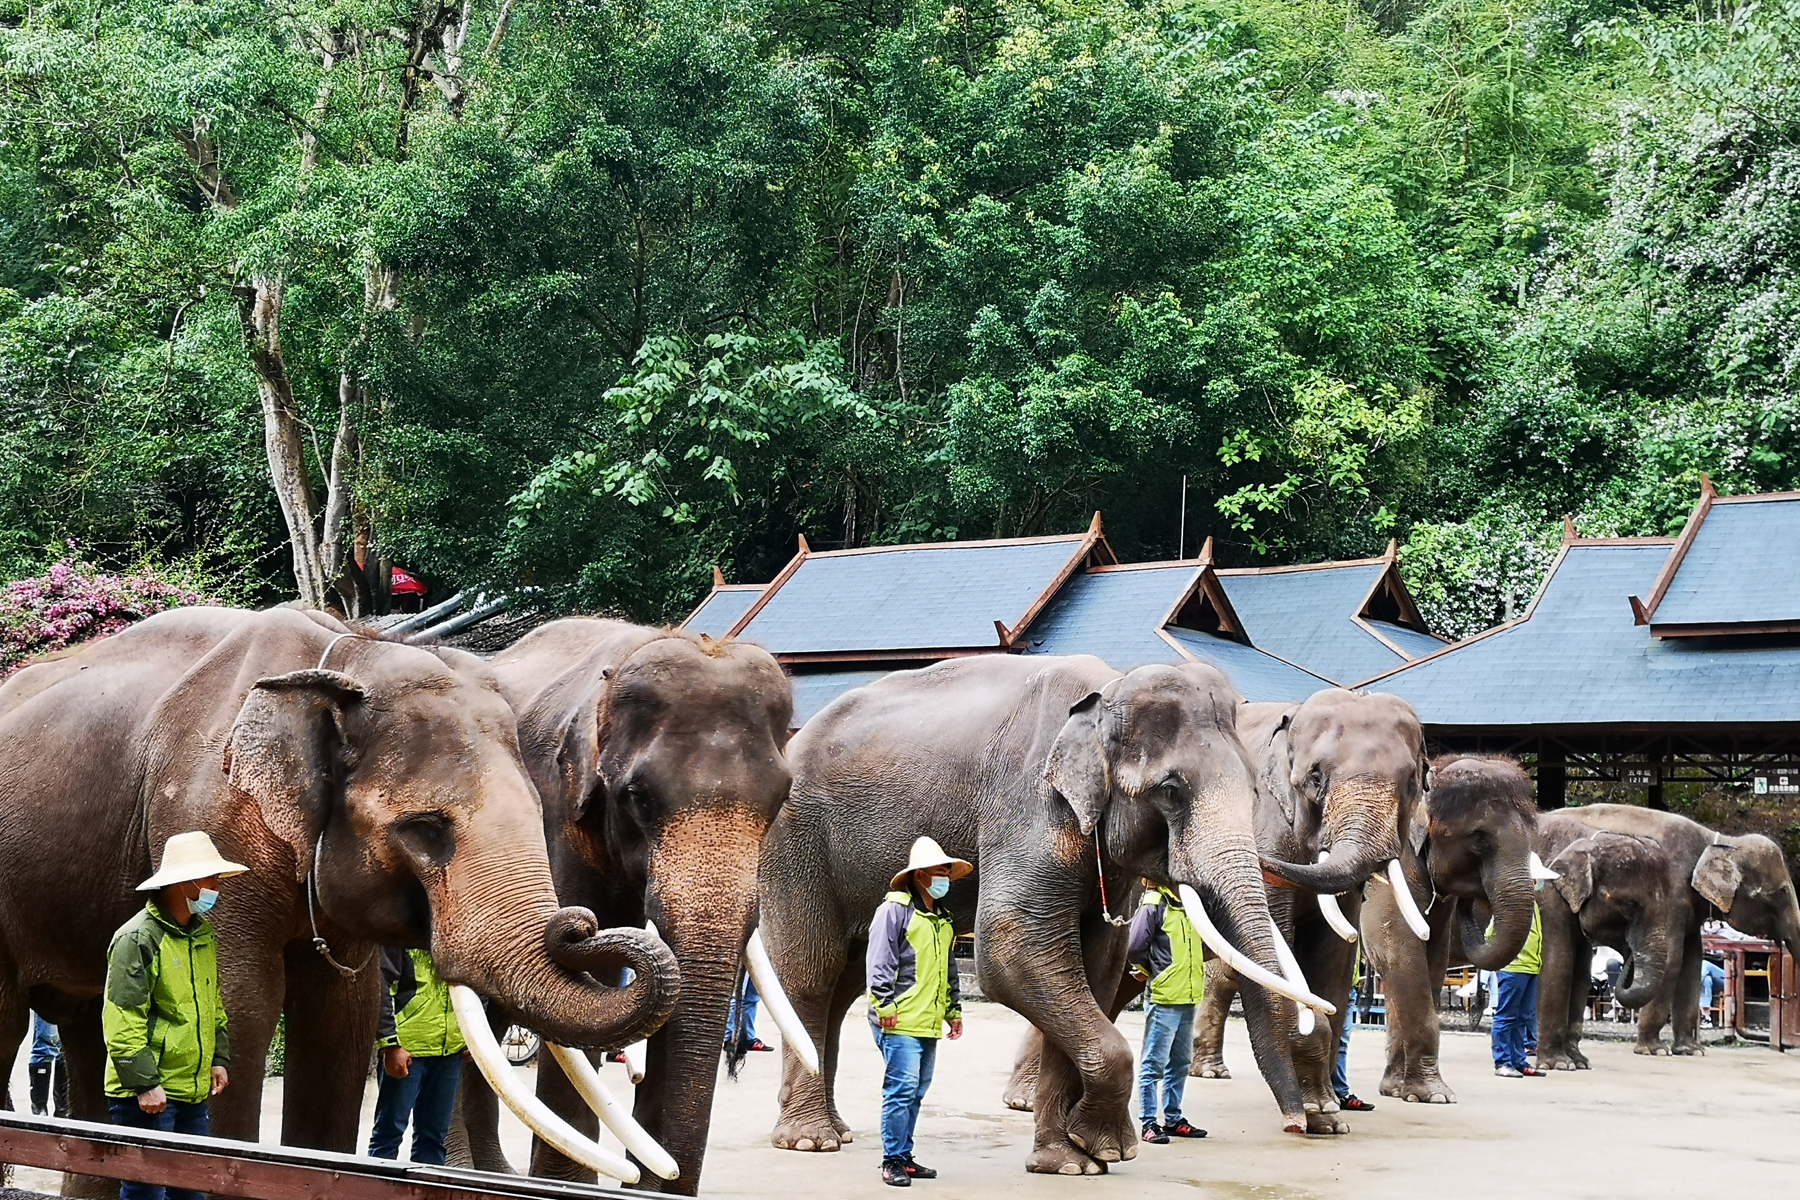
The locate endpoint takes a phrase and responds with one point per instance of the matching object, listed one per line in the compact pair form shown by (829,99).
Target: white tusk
(555,1131)
(768,986)
(1404,898)
(1334,916)
(612,1114)
(1245,966)
(1290,966)
(634,1061)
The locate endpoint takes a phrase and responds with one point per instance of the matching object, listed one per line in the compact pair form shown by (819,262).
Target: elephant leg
(1021,1089)
(1411,973)
(1686,1016)
(84,1052)
(330,1043)
(1209,1022)
(1562,982)
(475,1131)
(1085,1073)
(15,1022)
(813,978)
(560,1096)
(1328,963)
(850,989)
(253,998)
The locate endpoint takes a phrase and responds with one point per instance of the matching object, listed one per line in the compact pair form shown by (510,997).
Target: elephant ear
(1717,876)
(1078,768)
(286,752)
(1576,866)
(1278,766)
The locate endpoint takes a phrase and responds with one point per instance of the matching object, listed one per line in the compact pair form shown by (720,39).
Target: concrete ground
(1636,1127)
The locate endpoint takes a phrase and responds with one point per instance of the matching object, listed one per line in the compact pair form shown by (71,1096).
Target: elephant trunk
(1512,900)
(1641,979)
(497,929)
(1227,875)
(703,901)
(1362,833)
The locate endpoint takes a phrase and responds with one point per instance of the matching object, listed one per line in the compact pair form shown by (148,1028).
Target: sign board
(1776,781)
(1644,776)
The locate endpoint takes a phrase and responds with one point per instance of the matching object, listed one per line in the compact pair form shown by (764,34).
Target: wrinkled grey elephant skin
(1643,882)
(1473,831)
(1018,764)
(1342,772)
(390,773)
(660,757)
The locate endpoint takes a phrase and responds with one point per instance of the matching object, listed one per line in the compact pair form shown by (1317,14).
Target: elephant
(376,792)
(1063,781)
(660,757)
(1473,831)
(1340,772)
(1642,881)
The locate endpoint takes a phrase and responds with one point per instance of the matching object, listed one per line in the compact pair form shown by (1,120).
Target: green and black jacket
(1165,948)
(909,969)
(163,1019)
(415,1006)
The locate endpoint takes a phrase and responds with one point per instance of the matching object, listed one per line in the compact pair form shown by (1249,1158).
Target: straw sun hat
(187,857)
(927,853)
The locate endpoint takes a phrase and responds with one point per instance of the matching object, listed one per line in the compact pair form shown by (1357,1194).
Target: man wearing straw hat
(913,993)
(166,1039)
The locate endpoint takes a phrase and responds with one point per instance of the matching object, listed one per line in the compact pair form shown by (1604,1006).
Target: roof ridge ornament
(1570,536)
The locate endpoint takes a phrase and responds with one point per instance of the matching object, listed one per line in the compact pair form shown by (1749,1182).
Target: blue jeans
(46,1043)
(1712,978)
(1340,1067)
(428,1096)
(910,1062)
(740,1024)
(191,1119)
(1168,1053)
(1515,1018)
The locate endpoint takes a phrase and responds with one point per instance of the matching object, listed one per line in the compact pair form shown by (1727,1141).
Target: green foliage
(622,291)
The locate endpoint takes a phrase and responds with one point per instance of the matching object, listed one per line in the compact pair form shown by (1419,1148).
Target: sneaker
(1353,1103)
(1154,1135)
(893,1172)
(1534,1073)
(1509,1072)
(1183,1130)
(757,1044)
(919,1170)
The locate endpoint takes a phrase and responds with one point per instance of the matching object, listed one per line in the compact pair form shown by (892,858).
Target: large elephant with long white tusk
(1064,781)
(1338,779)
(660,759)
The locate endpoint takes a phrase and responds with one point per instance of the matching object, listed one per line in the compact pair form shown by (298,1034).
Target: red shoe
(759,1044)
(1182,1129)
(1534,1073)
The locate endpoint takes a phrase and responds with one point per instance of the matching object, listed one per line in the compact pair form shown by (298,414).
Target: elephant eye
(428,836)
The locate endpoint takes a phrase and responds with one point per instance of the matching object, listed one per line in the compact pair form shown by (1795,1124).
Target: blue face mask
(208,898)
(939,887)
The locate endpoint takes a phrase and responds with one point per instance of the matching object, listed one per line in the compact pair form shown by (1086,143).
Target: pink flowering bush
(75,602)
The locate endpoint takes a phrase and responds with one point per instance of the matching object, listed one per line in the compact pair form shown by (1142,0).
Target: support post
(1552,780)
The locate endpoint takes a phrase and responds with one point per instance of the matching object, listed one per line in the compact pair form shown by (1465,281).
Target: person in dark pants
(167,1043)
(49,1074)
(421,1058)
(913,994)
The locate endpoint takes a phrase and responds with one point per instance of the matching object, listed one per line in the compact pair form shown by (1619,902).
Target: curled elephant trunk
(1361,834)
(1511,899)
(1641,979)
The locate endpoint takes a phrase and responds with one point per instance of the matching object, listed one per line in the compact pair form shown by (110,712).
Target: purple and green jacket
(910,973)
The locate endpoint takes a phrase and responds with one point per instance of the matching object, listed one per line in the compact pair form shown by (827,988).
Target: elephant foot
(1021,1095)
(1688,1049)
(809,1135)
(1103,1135)
(1320,1121)
(1651,1049)
(1209,1068)
(1062,1160)
(1419,1089)
(1560,1062)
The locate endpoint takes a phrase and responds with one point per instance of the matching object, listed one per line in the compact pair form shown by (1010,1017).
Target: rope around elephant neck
(319,943)
(1105,905)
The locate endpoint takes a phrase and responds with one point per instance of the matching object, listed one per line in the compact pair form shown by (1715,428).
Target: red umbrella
(405,584)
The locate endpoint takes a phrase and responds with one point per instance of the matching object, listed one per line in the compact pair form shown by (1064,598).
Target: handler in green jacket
(1165,952)
(913,994)
(167,1044)
(421,1058)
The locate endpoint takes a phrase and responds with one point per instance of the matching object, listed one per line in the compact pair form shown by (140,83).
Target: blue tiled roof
(721,610)
(1743,567)
(1578,659)
(1257,676)
(813,692)
(1416,644)
(1113,614)
(912,598)
(1305,617)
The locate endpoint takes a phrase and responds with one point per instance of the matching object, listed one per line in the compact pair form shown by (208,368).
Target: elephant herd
(601,827)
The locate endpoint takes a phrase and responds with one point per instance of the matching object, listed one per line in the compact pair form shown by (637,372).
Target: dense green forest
(591,295)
